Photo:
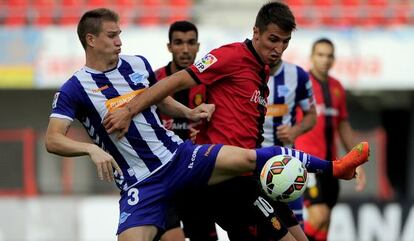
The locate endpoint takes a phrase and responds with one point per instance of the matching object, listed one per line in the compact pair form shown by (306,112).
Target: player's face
(184,48)
(322,58)
(108,43)
(271,43)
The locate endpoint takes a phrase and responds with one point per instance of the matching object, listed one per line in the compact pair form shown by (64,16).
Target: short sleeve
(305,92)
(64,104)
(151,75)
(213,66)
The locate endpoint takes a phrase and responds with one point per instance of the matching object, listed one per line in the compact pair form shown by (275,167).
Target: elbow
(49,145)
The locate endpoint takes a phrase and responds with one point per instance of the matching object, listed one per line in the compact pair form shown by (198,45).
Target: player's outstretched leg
(344,167)
(232,161)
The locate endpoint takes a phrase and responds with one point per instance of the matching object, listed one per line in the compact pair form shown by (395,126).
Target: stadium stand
(66,12)
(309,13)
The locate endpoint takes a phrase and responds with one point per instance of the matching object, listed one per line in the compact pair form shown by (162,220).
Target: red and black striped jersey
(331,110)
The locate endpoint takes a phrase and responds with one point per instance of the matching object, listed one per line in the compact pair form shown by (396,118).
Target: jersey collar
(168,70)
(249,45)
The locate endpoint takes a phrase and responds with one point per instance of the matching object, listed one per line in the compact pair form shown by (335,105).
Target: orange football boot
(344,167)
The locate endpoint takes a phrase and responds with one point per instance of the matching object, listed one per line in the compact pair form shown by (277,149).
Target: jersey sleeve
(213,66)
(305,93)
(151,75)
(64,104)
(343,111)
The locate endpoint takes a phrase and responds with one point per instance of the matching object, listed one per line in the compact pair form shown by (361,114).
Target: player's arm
(156,93)
(307,123)
(347,137)
(287,134)
(58,143)
(173,108)
(120,119)
(346,134)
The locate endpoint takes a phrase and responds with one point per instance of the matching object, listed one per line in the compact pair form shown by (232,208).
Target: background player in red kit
(239,72)
(183,45)
(332,121)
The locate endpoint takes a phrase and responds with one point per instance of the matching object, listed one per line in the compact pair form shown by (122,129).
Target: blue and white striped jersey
(289,88)
(88,96)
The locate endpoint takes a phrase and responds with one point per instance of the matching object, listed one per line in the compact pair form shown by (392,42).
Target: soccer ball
(283,178)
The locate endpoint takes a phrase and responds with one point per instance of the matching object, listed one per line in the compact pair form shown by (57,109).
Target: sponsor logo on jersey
(55,99)
(100,89)
(123,217)
(257,98)
(137,78)
(205,62)
(170,124)
(193,157)
(131,171)
(277,110)
(209,150)
(282,90)
(122,100)
(321,109)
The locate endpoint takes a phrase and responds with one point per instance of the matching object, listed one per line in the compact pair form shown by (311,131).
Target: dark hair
(181,26)
(91,22)
(277,13)
(322,41)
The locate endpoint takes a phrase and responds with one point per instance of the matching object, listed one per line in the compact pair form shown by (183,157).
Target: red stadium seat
(401,13)
(376,13)
(44,12)
(299,9)
(90,4)
(17,10)
(150,12)
(295,2)
(126,9)
(70,11)
(325,11)
(323,3)
(349,14)
(180,10)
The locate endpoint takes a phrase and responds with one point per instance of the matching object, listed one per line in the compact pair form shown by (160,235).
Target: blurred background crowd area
(40,50)
(309,13)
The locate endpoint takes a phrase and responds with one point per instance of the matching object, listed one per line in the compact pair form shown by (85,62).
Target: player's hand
(118,120)
(104,163)
(361,180)
(203,111)
(285,133)
(193,134)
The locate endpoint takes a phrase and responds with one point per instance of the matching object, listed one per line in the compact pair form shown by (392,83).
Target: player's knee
(322,219)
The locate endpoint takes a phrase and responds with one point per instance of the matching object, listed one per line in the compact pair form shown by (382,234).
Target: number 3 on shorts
(133,196)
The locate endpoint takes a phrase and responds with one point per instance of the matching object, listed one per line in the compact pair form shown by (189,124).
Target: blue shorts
(146,203)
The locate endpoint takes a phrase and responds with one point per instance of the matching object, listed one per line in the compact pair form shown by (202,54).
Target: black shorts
(173,219)
(246,213)
(189,207)
(321,189)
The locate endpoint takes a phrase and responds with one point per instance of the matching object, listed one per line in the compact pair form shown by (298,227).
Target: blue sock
(312,163)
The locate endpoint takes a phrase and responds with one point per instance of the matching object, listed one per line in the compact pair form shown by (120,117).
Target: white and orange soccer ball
(284,178)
